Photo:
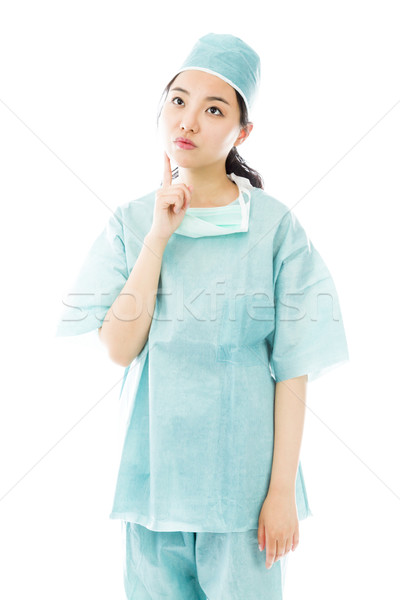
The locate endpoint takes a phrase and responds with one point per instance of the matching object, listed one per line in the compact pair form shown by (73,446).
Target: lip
(184,143)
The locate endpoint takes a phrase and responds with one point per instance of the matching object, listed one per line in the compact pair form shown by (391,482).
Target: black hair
(234,162)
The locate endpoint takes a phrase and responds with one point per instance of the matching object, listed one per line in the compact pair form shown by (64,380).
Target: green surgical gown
(234,314)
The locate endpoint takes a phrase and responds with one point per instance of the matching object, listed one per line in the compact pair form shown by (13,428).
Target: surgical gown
(234,314)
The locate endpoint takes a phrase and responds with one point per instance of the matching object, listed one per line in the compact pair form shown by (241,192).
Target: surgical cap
(229,58)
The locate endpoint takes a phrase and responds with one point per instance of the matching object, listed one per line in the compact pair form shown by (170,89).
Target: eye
(211,107)
(216,108)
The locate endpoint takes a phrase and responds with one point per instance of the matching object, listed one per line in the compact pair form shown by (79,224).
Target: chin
(184,161)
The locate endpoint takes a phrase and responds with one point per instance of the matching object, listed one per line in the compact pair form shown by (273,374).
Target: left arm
(290,406)
(278,522)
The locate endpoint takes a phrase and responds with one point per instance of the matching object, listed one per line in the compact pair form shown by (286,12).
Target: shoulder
(270,203)
(133,219)
(136,204)
(289,237)
(281,218)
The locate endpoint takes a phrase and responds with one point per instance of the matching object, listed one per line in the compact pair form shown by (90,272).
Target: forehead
(202,83)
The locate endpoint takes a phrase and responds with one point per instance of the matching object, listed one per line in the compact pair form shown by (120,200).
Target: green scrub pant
(180,565)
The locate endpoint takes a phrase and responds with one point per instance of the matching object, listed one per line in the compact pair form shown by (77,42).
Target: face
(205,110)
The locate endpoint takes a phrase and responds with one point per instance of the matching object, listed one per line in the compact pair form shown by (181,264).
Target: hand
(170,205)
(278,525)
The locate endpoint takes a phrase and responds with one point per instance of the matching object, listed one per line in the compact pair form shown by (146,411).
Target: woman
(208,291)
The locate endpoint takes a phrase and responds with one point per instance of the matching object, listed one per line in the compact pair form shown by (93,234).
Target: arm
(278,526)
(290,405)
(126,325)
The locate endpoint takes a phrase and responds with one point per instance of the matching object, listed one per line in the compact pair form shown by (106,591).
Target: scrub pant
(180,565)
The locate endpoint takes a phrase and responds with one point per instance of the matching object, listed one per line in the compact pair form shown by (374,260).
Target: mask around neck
(219,220)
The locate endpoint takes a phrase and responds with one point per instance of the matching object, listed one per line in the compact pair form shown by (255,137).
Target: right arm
(126,326)
(127,323)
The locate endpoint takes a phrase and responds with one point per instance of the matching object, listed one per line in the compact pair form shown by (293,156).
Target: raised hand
(172,201)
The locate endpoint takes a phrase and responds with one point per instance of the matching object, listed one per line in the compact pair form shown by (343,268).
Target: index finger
(167,179)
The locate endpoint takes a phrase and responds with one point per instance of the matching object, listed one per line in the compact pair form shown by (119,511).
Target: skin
(278,524)
(212,125)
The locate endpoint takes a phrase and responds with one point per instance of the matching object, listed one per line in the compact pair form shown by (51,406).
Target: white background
(80,84)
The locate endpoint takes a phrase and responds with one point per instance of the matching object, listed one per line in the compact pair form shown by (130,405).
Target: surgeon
(212,297)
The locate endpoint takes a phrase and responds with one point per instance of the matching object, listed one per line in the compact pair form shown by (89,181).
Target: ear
(244,134)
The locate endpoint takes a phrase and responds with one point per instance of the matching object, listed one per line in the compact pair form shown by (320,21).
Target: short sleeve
(101,278)
(309,336)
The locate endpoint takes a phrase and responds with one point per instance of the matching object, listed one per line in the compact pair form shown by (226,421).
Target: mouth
(184,143)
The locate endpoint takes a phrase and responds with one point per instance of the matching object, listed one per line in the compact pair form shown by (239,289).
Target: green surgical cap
(229,58)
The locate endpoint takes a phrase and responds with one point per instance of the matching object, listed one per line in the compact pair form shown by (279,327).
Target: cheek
(166,126)
(166,115)
(225,138)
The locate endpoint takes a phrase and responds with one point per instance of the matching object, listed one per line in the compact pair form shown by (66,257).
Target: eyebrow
(179,89)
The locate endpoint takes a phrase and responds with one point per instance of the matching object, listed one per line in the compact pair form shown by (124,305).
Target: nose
(189,123)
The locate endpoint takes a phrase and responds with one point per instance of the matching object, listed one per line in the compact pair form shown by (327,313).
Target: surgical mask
(219,220)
